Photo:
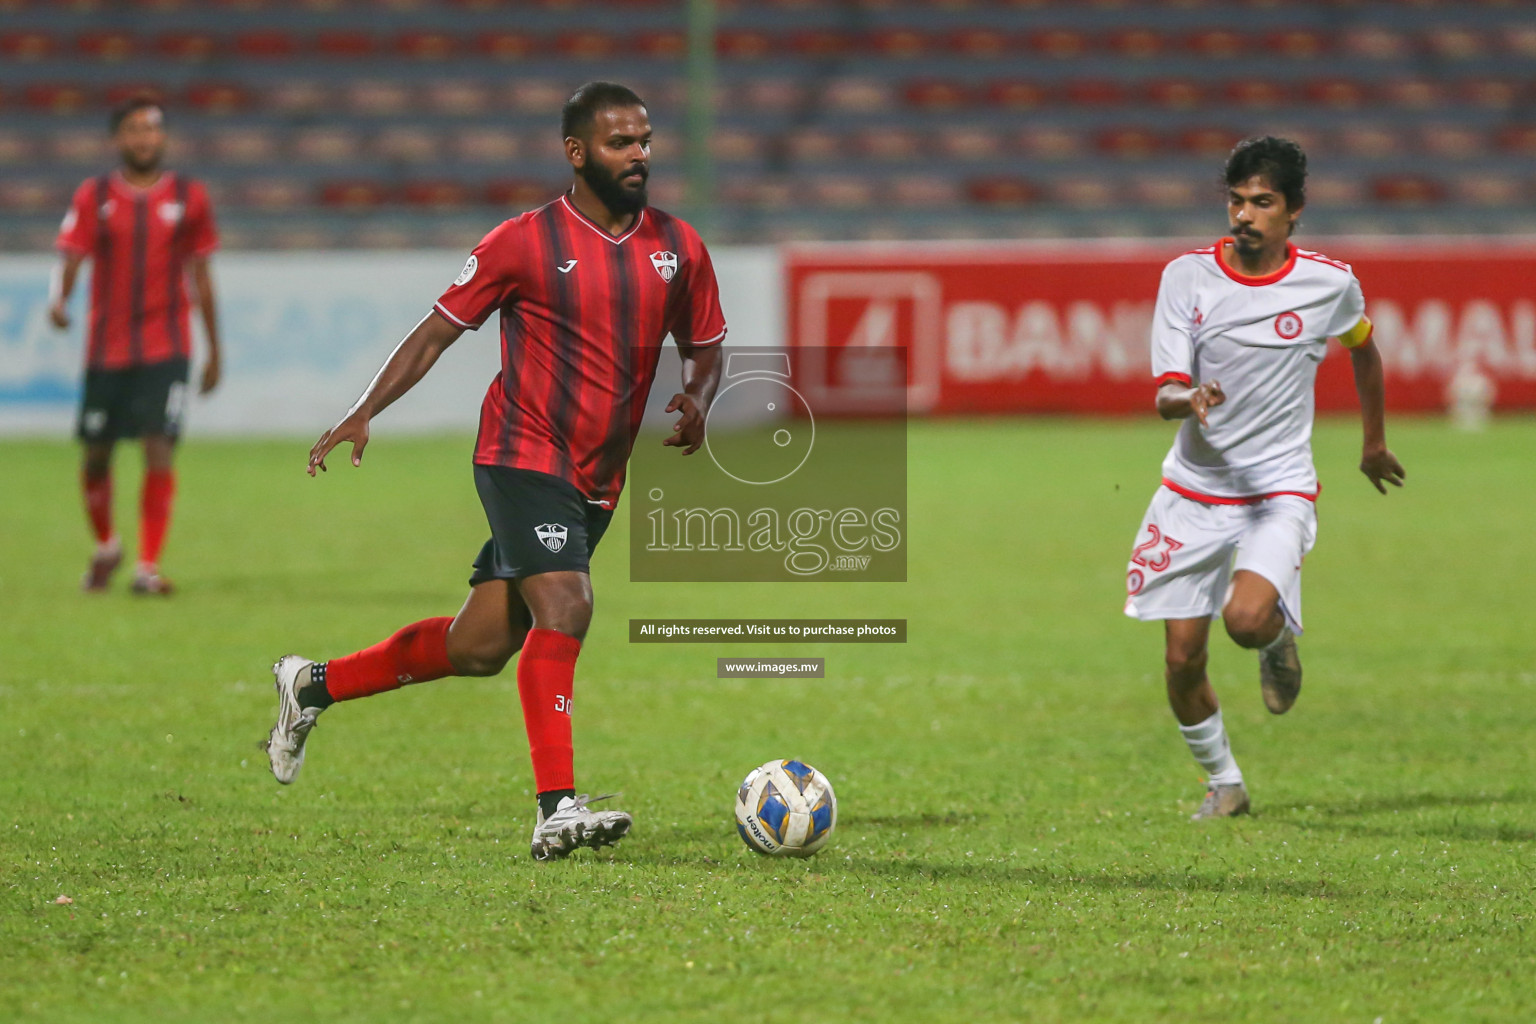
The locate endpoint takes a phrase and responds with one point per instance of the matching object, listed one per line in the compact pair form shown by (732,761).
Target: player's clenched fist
(1204,398)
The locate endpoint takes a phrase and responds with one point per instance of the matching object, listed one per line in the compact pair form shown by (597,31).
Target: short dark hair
(1280,162)
(132,105)
(581,110)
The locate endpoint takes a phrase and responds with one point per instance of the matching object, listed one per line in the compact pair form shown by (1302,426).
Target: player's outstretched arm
(1376,461)
(406,365)
(1177,401)
(701,376)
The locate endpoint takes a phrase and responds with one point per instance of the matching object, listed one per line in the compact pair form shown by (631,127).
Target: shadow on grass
(1105,881)
(1341,816)
(1403,802)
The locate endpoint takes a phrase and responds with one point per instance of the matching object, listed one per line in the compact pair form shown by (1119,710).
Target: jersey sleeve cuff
(1172,378)
(717,339)
(453,319)
(74,248)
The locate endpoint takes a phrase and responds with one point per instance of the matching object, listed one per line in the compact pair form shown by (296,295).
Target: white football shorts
(1187,551)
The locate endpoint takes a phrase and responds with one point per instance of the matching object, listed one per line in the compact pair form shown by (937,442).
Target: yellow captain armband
(1357,335)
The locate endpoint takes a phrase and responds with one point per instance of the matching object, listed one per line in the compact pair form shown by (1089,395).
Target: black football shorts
(140,401)
(539,523)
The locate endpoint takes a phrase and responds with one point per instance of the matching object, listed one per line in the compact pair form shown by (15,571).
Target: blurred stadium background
(388,124)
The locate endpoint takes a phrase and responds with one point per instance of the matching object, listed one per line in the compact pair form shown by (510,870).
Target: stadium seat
(1415,93)
(346,43)
(1016,94)
(217,97)
(737,145)
(1374,42)
(1175,93)
(407,145)
(1095,92)
(1518,139)
(422,45)
(857,95)
(31,196)
(1129,143)
(457,97)
(1217,44)
(23,46)
(744,44)
(1136,43)
(117,93)
(1455,43)
(244,145)
(1408,190)
(773,95)
(970,143)
(586,45)
(763,193)
(982,43)
(1520,40)
(80,146)
(17,148)
(1337,93)
(1257,93)
(922,191)
(266,44)
(106,46)
(811,145)
(666,44)
(536,96)
(898,43)
(274,194)
(1335,190)
(325,145)
(1296,43)
(840,191)
(484,145)
(298,97)
(506,45)
(188,46)
(1002,191)
(1083,192)
(521,193)
(1060,43)
(935,94)
(1453,141)
(1491,93)
(819,43)
(888,144)
(1050,143)
(1491,189)
(1165,191)
(1368,141)
(1209,143)
(436,195)
(353,194)
(377,97)
(56,97)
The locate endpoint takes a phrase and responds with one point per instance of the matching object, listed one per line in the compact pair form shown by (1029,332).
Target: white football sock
(1208,742)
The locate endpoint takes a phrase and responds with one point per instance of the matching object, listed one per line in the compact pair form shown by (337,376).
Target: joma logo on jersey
(551,535)
(665,264)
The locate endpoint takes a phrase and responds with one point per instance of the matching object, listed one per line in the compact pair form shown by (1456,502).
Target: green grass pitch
(1013,841)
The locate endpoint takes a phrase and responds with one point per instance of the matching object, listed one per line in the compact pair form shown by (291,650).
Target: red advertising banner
(1063,327)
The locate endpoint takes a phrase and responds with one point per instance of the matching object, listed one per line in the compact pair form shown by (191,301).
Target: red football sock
(155,513)
(98,504)
(546,671)
(416,654)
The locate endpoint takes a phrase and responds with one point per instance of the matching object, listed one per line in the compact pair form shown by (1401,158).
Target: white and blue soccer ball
(786,809)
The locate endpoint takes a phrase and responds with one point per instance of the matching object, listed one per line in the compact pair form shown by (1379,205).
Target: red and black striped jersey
(139,240)
(583,317)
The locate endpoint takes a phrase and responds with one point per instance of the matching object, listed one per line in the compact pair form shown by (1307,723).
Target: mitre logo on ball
(551,535)
(665,264)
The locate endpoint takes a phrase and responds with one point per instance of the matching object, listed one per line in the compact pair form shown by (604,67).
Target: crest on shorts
(1288,325)
(551,535)
(665,264)
(472,265)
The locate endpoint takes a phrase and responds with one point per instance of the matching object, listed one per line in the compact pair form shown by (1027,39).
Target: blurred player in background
(144,227)
(1238,332)
(588,287)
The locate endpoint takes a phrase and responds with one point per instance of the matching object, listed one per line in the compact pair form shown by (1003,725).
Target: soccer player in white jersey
(1238,332)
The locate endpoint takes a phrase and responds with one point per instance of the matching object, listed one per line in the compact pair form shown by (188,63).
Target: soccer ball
(786,809)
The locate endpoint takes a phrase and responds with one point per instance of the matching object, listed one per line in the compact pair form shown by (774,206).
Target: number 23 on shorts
(1156,552)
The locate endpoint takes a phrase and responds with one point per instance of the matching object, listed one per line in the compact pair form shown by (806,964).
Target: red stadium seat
(537,96)
(1408,190)
(899,43)
(427,45)
(1415,93)
(437,195)
(1520,40)
(773,95)
(1257,93)
(587,45)
(666,44)
(922,191)
(325,146)
(407,145)
(31,196)
(1137,43)
(484,145)
(298,97)
(1453,141)
(56,97)
(217,97)
(1296,43)
(186,45)
(841,191)
(1060,43)
(737,145)
(1173,191)
(106,46)
(84,146)
(1375,43)
(1496,190)
(1209,142)
(1016,94)
(1131,143)
(1083,192)
(122,91)
(1369,141)
(1095,92)
(970,143)
(744,44)
(457,97)
(346,44)
(17,148)
(1002,191)
(1337,93)
(760,193)
(377,97)
(1217,44)
(857,95)
(506,45)
(355,194)
(246,145)
(27,45)
(1175,93)
(813,145)
(986,43)
(819,43)
(267,44)
(1519,139)
(931,94)
(888,144)
(1490,93)
(1050,143)
(1455,43)
(520,192)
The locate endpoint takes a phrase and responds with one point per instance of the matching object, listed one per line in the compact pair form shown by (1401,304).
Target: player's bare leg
(561,606)
(155,514)
(1253,619)
(1195,706)
(96,483)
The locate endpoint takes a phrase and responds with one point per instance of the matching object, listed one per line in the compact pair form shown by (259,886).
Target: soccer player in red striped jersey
(587,288)
(144,228)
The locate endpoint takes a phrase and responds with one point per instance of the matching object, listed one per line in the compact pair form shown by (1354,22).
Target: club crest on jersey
(472,265)
(1288,325)
(551,535)
(665,264)
(171,212)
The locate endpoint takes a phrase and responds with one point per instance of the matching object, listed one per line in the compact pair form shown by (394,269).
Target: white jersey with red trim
(1261,339)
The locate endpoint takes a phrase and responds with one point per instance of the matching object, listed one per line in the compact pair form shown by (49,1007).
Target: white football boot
(285,744)
(573,825)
